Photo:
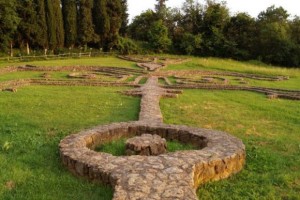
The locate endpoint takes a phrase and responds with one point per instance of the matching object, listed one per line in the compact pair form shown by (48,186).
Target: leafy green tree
(127,46)
(9,21)
(241,32)
(190,43)
(216,16)
(192,18)
(41,39)
(141,23)
(161,9)
(86,32)
(69,10)
(274,39)
(158,37)
(27,29)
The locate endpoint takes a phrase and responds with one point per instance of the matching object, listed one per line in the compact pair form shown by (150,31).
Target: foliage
(27,29)
(86,32)
(190,43)
(272,37)
(41,35)
(138,28)
(158,37)
(69,10)
(127,46)
(125,15)
(9,21)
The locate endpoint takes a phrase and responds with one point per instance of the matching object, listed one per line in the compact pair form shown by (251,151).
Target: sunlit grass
(34,120)
(269,129)
(232,65)
(96,61)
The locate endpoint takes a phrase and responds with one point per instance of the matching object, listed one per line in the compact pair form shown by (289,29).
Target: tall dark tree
(124,24)
(50,17)
(69,10)
(42,33)
(158,37)
(8,23)
(161,9)
(101,20)
(274,38)
(55,24)
(27,29)
(241,31)
(59,24)
(216,16)
(115,12)
(108,19)
(86,32)
(192,18)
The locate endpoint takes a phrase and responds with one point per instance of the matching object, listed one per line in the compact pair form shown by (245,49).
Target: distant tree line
(195,29)
(209,30)
(56,24)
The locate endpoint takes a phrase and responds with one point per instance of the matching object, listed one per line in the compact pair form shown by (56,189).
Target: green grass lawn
(218,64)
(34,120)
(269,129)
(96,61)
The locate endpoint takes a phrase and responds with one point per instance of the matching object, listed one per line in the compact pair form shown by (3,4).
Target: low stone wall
(167,176)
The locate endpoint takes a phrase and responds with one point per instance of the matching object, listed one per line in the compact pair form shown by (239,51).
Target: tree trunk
(11,50)
(27,48)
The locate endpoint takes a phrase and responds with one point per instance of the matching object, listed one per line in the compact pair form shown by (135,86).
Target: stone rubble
(168,176)
(146,145)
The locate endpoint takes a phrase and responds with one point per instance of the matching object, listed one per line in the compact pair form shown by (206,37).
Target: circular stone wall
(177,174)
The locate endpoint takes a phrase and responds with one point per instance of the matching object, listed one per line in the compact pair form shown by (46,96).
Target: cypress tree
(114,10)
(101,20)
(86,32)
(124,24)
(27,29)
(8,23)
(161,9)
(50,24)
(108,20)
(54,23)
(59,25)
(41,37)
(69,9)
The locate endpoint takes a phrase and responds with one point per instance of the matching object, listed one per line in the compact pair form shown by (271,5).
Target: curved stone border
(183,73)
(279,93)
(168,176)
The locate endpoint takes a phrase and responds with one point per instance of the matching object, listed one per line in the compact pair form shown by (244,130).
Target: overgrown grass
(269,129)
(232,65)
(34,120)
(117,147)
(97,61)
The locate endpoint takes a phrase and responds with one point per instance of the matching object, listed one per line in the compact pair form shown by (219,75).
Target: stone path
(169,176)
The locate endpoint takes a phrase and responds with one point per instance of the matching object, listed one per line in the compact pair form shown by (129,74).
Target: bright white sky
(253,7)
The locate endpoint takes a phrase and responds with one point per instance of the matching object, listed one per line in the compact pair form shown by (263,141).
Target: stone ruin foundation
(146,145)
(168,176)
